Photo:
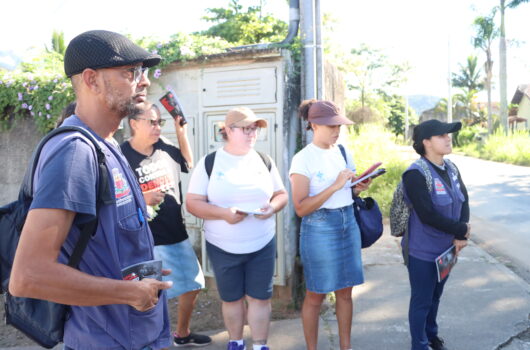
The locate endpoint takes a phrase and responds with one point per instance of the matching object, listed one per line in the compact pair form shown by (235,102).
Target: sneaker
(265,348)
(192,339)
(437,343)
(233,346)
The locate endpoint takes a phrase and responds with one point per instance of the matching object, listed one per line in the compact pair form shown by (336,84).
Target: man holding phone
(158,165)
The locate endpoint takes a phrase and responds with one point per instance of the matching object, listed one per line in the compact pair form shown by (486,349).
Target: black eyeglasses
(137,72)
(155,122)
(247,130)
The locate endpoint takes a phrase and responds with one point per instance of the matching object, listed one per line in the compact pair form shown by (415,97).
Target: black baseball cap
(104,49)
(433,127)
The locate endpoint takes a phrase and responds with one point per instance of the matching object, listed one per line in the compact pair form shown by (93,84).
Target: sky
(430,35)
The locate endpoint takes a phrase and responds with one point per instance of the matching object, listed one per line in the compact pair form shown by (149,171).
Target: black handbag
(40,320)
(369,218)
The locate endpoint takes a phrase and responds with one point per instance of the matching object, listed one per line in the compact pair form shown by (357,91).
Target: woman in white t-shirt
(330,243)
(238,201)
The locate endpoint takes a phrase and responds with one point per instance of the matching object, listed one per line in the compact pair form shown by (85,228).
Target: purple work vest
(426,242)
(122,238)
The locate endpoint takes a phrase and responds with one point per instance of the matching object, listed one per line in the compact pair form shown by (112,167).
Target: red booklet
(445,262)
(172,104)
(369,173)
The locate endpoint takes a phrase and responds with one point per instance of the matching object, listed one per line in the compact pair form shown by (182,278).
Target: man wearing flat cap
(107,312)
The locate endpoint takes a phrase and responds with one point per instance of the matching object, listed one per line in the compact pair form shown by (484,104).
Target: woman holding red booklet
(330,242)
(438,219)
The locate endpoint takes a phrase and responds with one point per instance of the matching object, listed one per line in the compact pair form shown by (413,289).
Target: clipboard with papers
(370,173)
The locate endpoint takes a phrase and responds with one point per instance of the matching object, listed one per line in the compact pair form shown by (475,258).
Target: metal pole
(309,57)
(406,133)
(308,42)
(320,84)
(449,82)
(503,74)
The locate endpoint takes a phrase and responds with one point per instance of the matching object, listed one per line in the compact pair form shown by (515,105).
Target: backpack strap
(209,160)
(28,179)
(102,191)
(266,160)
(452,166)
(208,163)
(343,152)
(427,172)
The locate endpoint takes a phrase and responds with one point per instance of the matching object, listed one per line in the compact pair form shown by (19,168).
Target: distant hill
(422,103)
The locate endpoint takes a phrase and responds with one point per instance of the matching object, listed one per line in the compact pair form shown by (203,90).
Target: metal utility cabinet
(266,82)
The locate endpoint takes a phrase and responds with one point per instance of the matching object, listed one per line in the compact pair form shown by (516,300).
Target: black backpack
(209,160)
(41,320)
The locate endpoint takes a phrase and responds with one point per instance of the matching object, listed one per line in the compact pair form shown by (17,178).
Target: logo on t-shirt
(219,175)
(439,187)
(320,176)
(122,191)
(154,175)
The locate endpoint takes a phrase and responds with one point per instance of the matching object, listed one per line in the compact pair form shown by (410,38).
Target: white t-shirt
(321,167)
(243,182)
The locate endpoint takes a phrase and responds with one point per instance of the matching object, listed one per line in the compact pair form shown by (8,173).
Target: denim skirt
(186,273)
(330,246)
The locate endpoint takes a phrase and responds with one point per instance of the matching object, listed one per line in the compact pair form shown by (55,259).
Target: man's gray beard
(124,109)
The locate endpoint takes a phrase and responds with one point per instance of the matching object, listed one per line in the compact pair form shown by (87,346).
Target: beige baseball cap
(243,116)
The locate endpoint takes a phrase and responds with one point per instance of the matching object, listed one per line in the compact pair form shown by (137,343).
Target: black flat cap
(433,127)
(103,49)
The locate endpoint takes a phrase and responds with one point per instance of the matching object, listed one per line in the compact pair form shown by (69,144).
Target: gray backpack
(400,209)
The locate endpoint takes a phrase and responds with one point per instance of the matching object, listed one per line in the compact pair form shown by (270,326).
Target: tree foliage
(469,77)
(58,43)
(470,81)
(370,71)
(38,88)
(240,27)
(397,115)
(485,33)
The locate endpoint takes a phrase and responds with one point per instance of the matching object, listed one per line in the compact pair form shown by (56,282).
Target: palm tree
(469,76)
(485,34)
(466,99)
(57,43)
(502,60)
(470,81)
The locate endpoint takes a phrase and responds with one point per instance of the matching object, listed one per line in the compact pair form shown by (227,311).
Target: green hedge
(41,96)
(513,148)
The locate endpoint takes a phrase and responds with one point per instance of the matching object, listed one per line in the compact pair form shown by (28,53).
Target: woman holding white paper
(330,242)
(238,198)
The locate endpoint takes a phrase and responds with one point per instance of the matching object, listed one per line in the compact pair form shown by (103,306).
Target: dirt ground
(206,316)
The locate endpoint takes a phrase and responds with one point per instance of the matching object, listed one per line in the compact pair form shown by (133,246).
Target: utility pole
(406,133)
(319,52)
(449,82)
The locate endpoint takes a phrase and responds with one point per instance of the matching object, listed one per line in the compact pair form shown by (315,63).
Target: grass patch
(513,148)
(371,144)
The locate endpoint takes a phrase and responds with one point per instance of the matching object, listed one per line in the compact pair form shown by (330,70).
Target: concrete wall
(16,146)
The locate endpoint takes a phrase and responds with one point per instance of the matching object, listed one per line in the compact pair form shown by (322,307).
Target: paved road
(500,208)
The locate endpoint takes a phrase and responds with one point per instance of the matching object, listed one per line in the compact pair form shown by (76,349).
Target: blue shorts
(330,247)
(186,272)
(238,275)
